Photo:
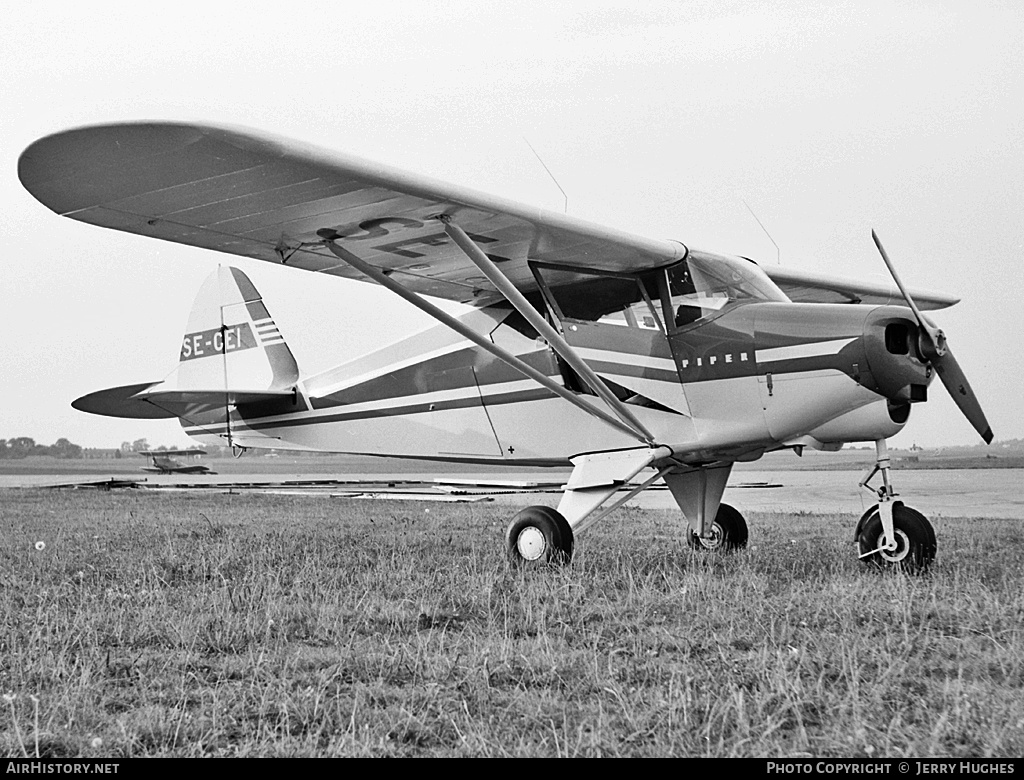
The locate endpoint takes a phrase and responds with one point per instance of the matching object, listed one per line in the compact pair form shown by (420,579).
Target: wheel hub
(714,538)
(531,543)
(902,547)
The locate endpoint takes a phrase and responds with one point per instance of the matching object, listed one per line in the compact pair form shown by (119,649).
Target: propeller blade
(942,360)
(935,335)
(959,388)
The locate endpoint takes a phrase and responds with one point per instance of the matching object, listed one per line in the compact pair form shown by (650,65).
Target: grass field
(188,625)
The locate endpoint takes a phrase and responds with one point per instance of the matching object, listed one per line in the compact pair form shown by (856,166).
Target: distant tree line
(23,446)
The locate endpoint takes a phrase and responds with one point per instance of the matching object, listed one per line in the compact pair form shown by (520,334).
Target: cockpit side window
(694,296)
(694,289)
(608,300)
(700,286)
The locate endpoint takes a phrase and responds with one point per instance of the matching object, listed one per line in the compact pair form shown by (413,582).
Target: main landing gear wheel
(539,534)
(728,532)
(915,539)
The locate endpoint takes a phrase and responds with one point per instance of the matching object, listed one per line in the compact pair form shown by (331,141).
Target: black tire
(539,534)
(728,531)
(915,538)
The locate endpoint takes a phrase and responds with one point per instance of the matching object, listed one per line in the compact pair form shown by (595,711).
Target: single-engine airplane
(635,359)
(163,462)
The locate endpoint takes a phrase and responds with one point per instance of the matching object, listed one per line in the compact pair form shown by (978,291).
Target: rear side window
(608,300)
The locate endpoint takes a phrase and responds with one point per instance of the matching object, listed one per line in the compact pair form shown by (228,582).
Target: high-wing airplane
(635,359)
(163,462)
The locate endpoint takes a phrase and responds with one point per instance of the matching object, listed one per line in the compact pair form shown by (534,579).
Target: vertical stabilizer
(231,343)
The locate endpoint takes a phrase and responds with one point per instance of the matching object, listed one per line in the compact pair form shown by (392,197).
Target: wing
(807,287)
(253,195)
(249,194)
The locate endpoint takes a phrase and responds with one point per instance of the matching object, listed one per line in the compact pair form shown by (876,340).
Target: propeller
(935,350)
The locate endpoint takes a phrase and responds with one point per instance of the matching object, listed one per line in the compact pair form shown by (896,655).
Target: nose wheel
(914,537)
(891,534)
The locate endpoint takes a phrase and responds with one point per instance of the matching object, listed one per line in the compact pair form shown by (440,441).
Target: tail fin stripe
(257,311)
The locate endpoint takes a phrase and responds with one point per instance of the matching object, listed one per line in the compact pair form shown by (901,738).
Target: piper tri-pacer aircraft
(635,359)
(163,461)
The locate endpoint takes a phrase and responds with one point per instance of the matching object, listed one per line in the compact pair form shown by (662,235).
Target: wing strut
(484,343)
(552,336)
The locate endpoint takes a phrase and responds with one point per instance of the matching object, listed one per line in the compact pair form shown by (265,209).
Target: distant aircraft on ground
(636,359)
(163,462)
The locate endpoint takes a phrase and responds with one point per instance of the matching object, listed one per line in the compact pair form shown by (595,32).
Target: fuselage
(746,378)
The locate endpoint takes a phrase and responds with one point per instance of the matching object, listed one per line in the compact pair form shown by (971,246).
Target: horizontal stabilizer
(138,402)
(122,402)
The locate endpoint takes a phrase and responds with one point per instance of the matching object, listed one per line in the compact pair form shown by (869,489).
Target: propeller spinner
(934,349)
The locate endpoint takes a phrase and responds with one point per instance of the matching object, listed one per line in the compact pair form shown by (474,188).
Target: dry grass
(253,625)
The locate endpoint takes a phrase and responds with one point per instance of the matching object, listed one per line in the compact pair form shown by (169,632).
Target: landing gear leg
(728,532)
(711,525)
(891,534)
(540,534)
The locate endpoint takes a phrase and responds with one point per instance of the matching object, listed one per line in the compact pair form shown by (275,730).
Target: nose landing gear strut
(891,534)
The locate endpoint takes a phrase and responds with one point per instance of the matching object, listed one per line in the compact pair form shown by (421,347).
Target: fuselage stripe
(796,351)
(638,372)
(421,407)
(608,356)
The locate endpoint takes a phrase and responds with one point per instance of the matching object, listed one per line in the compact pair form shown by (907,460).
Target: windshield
(705,283)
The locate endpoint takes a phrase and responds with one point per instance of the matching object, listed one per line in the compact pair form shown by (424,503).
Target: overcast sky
(660,118)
